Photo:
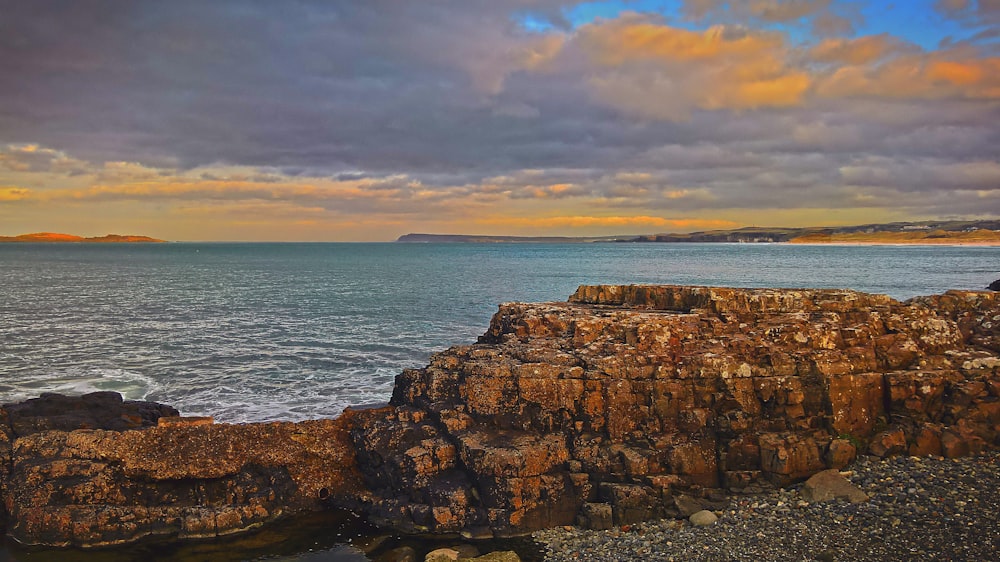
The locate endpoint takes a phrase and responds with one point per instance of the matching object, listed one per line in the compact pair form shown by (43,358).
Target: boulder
(703,518)
(831,484)
(994,286)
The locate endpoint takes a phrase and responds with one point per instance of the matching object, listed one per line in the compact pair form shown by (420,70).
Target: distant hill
(63,238)
(980,236)
(925,232)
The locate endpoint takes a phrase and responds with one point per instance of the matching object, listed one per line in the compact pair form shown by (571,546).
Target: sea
(249,332)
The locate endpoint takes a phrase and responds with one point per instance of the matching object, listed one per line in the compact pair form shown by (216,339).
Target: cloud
(646,68)
(924,175)
(858,51)
(33,158)
(825,17)
(917,76)
(11,193)
(977,12)
(424,114)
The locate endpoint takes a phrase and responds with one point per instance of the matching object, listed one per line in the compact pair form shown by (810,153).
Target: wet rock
(401,554)
(442,555)
(97,410)
(994,286)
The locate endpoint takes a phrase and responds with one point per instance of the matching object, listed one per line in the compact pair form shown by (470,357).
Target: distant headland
(54,237)
(982,232)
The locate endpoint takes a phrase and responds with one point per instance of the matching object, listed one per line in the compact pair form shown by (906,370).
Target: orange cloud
(862,50)
(958,73)
(645,67)
(934,76)
(651,69)
(630,38)
(10,193)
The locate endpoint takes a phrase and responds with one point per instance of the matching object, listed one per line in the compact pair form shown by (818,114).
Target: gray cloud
(457,97)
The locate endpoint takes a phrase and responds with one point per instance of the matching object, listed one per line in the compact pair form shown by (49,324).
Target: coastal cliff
(623,404)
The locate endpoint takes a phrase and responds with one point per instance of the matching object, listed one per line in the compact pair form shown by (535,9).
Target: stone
(466,551)
(888,443)
(994,286)
(442,555)
(830,484)
(596,516)
(687,505)
(840,453)
(703,518)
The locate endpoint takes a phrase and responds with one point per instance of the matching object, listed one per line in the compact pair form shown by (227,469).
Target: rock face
(110,474)
(623,404)
(606,409)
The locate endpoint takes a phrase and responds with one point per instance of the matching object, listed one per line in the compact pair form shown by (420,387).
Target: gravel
(919,509)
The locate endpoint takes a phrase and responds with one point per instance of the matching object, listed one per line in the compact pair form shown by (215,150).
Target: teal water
(254,332)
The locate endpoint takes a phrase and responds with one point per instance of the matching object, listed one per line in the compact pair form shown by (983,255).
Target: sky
(351,120)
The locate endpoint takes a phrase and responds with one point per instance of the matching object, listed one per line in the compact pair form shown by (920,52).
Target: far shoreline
(982,244)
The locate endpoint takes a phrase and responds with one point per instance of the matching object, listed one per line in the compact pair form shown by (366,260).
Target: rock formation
(147,473)
(623,404)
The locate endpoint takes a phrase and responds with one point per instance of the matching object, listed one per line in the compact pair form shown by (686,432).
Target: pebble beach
(918,509)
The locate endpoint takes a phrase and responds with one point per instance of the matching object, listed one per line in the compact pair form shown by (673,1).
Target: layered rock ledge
(623,404)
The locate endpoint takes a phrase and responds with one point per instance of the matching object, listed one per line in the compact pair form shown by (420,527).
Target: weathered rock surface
(608,408)
(625,403)
(74,485)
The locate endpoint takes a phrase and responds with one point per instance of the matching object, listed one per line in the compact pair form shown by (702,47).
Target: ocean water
(255,332)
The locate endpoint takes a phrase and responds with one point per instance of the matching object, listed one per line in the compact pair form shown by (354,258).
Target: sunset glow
(349,121)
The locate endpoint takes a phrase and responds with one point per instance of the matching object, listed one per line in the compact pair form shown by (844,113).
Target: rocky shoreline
(920,508)
(623,405)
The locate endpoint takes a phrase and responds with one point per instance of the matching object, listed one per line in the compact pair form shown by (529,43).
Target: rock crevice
(623,404)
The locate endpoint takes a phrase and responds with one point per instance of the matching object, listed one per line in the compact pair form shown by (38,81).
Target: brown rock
(926,442)
(830,484)
(840,453)
(888,443)
(175,421)
(596,516)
